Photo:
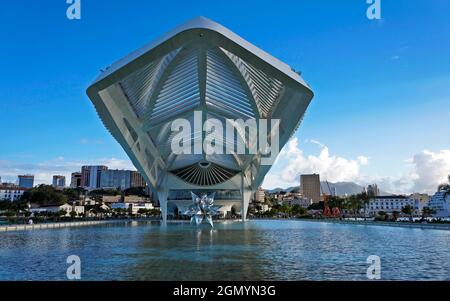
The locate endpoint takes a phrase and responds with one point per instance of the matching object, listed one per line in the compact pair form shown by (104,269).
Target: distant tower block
(310,187)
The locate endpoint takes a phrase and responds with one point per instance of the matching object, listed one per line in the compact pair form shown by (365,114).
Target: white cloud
(330,167)
(114,163)
(363,160)
(424,171)
(431,169)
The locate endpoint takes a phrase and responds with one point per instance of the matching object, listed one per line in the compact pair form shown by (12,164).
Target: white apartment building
(292,200)
(134,206)
(55,209)
(421,198)
(11,193)
(390,203)
(440,202)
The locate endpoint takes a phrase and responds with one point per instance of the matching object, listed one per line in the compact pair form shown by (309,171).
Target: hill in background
(342,188)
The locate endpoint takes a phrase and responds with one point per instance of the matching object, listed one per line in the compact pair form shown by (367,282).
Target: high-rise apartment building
(26,181)
(259,195)
(90,176)
(59,181)
(75,180)
(114,178)
(310,187)
(122,179)
(137,180)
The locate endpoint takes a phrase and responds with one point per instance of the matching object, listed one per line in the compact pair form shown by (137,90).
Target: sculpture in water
(203,209)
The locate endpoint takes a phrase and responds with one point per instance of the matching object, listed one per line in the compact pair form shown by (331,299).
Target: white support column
(162,197)
(163,192)
(246,194)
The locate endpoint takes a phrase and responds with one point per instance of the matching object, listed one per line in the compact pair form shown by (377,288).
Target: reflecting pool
(256,250)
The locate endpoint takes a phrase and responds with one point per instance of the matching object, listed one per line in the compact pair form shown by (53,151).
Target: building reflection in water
(227,252)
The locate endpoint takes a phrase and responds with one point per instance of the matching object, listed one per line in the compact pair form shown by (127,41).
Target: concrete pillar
(162,197)
(246,194)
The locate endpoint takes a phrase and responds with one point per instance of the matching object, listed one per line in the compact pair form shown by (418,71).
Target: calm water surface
(256,250)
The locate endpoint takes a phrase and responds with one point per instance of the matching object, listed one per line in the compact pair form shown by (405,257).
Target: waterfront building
(293,199)
(310,187)
(303,202)
(264,208)
(422,199)
(90,202)
(259,195)
(199,71)
(133,206)
(26,181)
(258,207)
(75,180)
(95,209)
(440,201)
(90,176)
(79,210)
(389,204)
(11,192)
(59,181)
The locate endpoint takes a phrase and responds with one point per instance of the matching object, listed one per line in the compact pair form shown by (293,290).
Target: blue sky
(382,87)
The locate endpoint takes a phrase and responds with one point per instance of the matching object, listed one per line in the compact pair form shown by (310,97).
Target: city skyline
(393,137)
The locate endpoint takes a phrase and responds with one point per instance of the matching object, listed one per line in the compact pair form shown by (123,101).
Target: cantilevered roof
(198,66)
(205,24)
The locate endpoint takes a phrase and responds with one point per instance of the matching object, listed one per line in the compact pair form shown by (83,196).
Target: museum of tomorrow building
(201,71)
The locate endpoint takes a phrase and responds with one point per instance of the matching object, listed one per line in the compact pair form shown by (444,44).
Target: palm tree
(427,211)
(62,212)
(408,210)
(365,201)
(395,215)
(336,202)
(73,214)
(355,204)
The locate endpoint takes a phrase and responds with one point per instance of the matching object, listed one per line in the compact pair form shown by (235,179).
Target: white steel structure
(200,66)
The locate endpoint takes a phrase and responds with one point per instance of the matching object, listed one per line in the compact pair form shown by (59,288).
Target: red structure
(327,211)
